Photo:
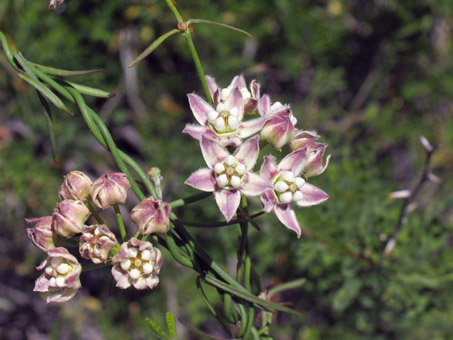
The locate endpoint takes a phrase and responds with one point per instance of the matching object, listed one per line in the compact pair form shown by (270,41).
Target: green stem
(216,224)
(190,199)
(119,218)
(174,10)
(94,212)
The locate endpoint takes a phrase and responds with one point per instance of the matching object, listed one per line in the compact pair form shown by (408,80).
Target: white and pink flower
(289,187)
(137,263)
(280,127)
(61,277)
(229,175)
(224,122)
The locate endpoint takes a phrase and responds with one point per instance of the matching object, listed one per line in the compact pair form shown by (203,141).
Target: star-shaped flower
(224,122)
(288,187)
(229,175)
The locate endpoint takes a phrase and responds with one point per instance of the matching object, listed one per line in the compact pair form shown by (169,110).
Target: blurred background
(370,76)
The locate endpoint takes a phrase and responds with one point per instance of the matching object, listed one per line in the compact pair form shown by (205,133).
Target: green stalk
(190,199)
(95,213)
(119,218)
(174,10)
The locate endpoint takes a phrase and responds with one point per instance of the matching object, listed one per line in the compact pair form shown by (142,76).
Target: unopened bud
(279,130)
(151,216)
(69,217)
(76,186)
(96,242)
(41,234)
(111,188)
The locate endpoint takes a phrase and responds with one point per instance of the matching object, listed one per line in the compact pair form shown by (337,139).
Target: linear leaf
(64,73)
(171,324)
(49,122)
(156,328)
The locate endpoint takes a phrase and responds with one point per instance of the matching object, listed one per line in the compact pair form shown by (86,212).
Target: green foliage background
(369,76)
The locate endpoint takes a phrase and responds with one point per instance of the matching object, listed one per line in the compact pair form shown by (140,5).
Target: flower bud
(314,164)
(96,242)
(279,130)
(137,263)
(76,186)
(61,277)
(110,189)
(302,139)
(68,217)
(151,216)
(41,234)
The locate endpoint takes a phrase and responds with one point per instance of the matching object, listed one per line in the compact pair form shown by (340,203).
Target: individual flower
(151,216)
(61,276)
(229,176)
(314,164)
(41,234)
(76,186)
(250,98)
(279,129)
(96,242)
(288,187)
(137,263)
(53,3)
(69,217)
(224,122)
(110,189)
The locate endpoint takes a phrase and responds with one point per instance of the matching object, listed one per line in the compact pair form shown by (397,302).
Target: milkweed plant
(232,124)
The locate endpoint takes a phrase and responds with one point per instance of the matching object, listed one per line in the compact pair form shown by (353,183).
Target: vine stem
(119,218)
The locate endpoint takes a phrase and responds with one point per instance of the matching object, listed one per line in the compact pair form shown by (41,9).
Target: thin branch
(218,224)
(411,194)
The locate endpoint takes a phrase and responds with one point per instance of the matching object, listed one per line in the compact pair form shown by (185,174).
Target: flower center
(229,173)
(223,120)
(287,187)
(138,263)
(58,270)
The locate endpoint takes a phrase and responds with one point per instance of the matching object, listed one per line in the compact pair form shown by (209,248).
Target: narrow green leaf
(204,297)
(64,73)
(171,324)
(90,91)
(24,64)
(249,297)
(48,94)
(9,53)
(200,333)
(156,43)
(54,84)
(232,28)
(156,328)
(49,122)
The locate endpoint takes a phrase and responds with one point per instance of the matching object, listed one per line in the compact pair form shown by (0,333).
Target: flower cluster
(222,127)
(80,197)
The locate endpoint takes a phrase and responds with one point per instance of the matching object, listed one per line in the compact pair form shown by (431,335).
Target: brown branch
(409,196)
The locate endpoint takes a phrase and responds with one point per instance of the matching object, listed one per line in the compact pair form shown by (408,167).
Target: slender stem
(94,212)
(174,10)
(217,224)
(119,218)
(190,199)
(198,65)
(95,266)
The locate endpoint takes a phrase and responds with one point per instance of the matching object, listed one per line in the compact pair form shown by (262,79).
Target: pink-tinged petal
(212,85)
(248,152)
(239,81)
(254,185)
(255,89)
(325,166)
(200,108)
(294,162)
(212,151)
(235,100)
(252,126)
(303,138)
(315,153)
(269,168)
(41,284)
(268,200)
(311,196)
(279,130)
(196,131)
(226,140)
(62,295)
(202,179)
(264,105)
(287,216)
(228,202)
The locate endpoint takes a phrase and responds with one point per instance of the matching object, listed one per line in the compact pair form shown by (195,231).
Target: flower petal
(235,100)
(287,216)
(269,168)
(228,202)
(212,85)
(254,185)
(200,108)
(202,179)
(264,105)
(248,152)
(249,127)
(279,130)
(268,200)
(212,151)
(196,131)
(312,196)
(294,162)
